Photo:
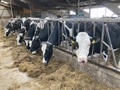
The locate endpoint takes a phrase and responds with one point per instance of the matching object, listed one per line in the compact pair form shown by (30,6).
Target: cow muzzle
(82,61)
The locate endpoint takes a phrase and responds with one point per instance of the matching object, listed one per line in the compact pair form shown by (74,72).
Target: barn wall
(6,13)
(47,14)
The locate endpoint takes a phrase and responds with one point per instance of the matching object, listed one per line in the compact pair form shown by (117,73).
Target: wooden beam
(8,6)
(2,12)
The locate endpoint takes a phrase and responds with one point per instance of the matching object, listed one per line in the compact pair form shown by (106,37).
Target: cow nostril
(83,62)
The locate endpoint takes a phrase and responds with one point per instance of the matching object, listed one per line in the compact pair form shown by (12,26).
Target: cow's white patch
(34,52)
(94,55)
(6,30)
(83,41)
(32,22)
(23,19)
(18,38)
(26,42)
(70,29)
(30,43)
(105,56)
(13,21)
(43,48)
(23,27)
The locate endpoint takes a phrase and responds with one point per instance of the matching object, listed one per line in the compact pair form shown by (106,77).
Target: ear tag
(38,38)
(93,42)
(72,41)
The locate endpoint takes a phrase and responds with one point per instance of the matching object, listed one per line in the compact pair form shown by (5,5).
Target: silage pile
(56,75)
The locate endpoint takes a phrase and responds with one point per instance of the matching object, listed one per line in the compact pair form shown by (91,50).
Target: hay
(57,75)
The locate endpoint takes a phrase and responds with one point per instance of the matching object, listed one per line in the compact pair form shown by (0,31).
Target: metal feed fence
(65,44)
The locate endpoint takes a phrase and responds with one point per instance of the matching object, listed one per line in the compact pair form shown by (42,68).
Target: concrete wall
(102,74)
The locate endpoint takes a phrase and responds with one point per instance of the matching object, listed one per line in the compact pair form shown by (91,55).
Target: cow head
(35,45)
(81,45)
(28,42)
(20,36)
(8,29)
(47,49)
(7,32)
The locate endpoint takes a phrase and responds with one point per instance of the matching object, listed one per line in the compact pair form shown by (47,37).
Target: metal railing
(65,43)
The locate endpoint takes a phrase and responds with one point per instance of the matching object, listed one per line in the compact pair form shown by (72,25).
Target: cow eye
(76,46)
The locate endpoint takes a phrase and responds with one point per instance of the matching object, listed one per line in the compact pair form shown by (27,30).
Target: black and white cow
(41,35)
(30,34)
(20,36)
(24,29)
(47,48)
(83,40)
(13,26)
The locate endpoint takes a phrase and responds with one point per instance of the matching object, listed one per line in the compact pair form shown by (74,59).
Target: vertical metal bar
(51,27)
(114,58)
(78,27)
(58,23)
(84,26)
(101,44)
(105,11)
(90,8)
(72,28)
(11,8)
(93,36)
(30,10)
(48,28)
(62,32)
(78,6)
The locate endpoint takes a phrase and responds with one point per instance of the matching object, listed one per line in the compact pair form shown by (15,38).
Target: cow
(13,26)
(41,35)
(20,36)
(23,31)
(30,34)
(33,31)
(8,29)
(84,43)
(47,48)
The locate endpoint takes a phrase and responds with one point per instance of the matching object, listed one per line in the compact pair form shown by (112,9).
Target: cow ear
(95,40)
(71,40)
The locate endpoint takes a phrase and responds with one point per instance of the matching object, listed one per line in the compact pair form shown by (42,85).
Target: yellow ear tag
(38,38)
(72,41)
(93,42)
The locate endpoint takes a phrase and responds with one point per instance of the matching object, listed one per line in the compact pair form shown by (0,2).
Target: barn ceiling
(55,4)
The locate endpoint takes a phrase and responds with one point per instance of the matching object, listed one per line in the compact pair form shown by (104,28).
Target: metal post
(84,26)
(72,28)
(105,12)
(58,23)
(30,10)
(101,44)
(62,32)
(78,27)
(11,8)
(90,8)
(48,28)
(78,6)
(93,36)
(114,58)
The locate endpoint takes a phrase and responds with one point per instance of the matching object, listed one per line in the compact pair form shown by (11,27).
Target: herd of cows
(44,34)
